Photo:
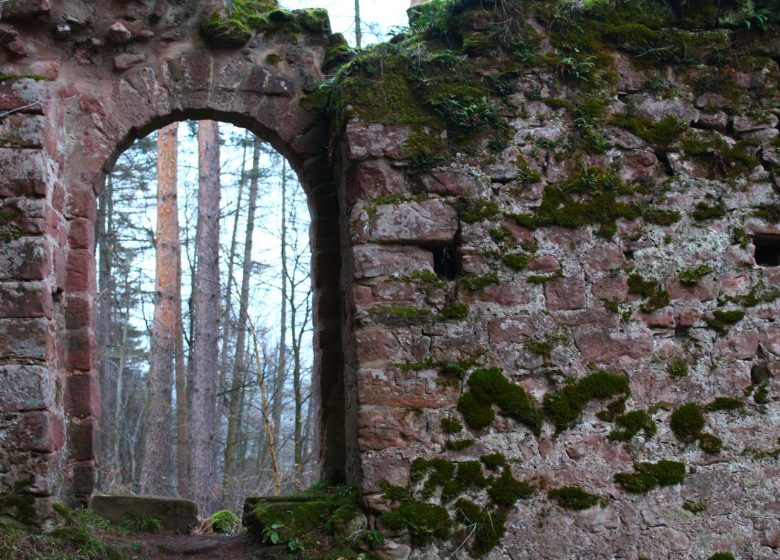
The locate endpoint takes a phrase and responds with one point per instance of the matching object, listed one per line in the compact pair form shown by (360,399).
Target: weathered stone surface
(377,260)
(431,221)
(603,347)
(565,293)
(24,388)
(178,516)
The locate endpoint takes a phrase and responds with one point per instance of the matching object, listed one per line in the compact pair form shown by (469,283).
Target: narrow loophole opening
(767,250)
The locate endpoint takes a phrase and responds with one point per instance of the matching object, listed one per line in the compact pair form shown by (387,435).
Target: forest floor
(189,547)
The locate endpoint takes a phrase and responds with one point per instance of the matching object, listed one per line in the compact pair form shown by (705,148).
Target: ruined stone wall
(562,253)
(545,256)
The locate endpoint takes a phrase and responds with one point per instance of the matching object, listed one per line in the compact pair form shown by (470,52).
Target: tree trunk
(108,435)
(182,471)
(358,31)
(157,466)
(243,306)
(205,371)
(281,371)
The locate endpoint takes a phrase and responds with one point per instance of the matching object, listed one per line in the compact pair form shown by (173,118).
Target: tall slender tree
(204,488)
(239,363)
(358,24)
(157,466)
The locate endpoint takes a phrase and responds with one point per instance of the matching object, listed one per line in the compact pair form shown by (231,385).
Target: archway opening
(254,323)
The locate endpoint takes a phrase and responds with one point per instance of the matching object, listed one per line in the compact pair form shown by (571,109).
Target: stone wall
(545,254)
(609,213)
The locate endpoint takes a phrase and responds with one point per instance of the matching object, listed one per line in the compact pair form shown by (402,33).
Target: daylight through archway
(264,322)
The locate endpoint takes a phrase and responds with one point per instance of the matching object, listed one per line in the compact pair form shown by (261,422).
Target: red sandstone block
(40,432)
(82,350)
(740,345)
(510,294)
(83,395)
(25,388)
(24,173)
(545,264)
(376,260)
(22,130)
(80,200)
(26,339)
(376,140)
(604,347)
(399,293)
(83,478)
(705,290)
(28,258)
(81,234)
(369,179)
(377,346)
(412,389)
(80,271)
(24,92)
(386,427)
(78,311)
(605,257)
(25,300)
(81,440)
(511,330)
(431,221)
(565,293)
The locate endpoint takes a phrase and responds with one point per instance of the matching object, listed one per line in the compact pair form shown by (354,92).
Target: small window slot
(445,261)
(767,250)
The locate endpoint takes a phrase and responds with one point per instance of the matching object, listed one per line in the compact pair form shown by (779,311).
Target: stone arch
(90,113)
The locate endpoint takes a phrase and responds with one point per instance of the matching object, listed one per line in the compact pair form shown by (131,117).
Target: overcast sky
(385,14)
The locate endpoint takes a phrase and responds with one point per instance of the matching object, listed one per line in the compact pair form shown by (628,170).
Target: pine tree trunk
(243,307)
(157,467)
(205,370)
(182,471)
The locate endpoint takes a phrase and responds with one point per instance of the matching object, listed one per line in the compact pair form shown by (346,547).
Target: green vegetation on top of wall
(264,16)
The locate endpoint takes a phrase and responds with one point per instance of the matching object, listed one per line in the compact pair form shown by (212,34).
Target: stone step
(175,515)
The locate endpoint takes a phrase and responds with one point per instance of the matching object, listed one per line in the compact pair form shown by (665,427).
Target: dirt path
(189,547)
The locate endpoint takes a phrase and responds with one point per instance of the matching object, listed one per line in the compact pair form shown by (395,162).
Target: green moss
(573,497)
(273,59)
(722,556)
(459,445)
(659,134)
(493,461)
(640,286)
(476,414)
(613,410)
(677,367)
(480,209)
(516,261)
(631,424)
(706,211)
(687,422)
(486,525)
(454,311)
(224,521)
(542,348)
(18,505)
(8,77)
(725,403)
(565,406)
(656,298)
(423,521)
(651,475)
(451,426)
(692,276)
(710,444)
(662,217)
(500,234)
(695,507)
(453,478)
(296,519)
(488,387)
(721,319)
(768,212)
(8,228)
(506,490)
(588,198)
(478,283)
(426,280)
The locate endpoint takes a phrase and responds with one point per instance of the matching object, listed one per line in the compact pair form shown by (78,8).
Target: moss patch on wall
(565,406)
(651,475)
